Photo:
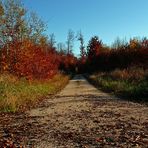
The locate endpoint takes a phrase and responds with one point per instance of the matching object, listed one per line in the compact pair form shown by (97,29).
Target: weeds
(131,82)
(18,93)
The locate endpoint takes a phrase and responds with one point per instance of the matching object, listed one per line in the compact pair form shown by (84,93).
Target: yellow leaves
(133,43)
(43,40)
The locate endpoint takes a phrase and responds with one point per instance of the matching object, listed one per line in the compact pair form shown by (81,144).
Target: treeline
(24,49)
(27,52)
(121,55)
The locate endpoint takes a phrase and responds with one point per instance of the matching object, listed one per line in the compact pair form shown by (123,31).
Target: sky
(108,19)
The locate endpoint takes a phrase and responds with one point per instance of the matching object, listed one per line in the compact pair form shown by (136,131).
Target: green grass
(124,84)
(16,94)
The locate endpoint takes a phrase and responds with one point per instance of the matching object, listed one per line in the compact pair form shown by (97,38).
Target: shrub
(30,60)
(130,83)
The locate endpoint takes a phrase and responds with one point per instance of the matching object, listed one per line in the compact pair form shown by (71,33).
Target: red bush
(30,60)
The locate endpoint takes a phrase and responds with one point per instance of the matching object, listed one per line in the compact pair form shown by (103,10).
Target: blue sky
(107,19)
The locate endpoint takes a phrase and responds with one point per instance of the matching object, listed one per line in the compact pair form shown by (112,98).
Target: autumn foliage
(100,57)
(68,63)
(26,59)
(24,49)
(26,52)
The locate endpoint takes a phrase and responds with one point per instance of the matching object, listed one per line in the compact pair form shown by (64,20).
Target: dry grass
(131,74)
(18,93)
(130,83)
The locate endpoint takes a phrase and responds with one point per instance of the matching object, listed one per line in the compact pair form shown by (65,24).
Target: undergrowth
(15,93)
(131,83)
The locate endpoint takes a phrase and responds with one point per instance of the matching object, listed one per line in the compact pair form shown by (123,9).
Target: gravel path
(80,116)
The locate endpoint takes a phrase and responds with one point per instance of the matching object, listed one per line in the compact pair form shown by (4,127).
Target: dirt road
(81,116)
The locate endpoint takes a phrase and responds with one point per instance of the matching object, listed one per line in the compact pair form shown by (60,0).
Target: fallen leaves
(77,124)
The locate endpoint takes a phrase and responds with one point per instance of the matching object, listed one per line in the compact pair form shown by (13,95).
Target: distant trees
(93,48)
(70,40)
(52,40)
(26,51)
(119,43)
(35,27)
(121,54)
(61,48)
(134,43)
(82,47)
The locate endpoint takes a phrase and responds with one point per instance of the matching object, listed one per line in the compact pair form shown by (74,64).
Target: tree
(94,47)
(35,27)
(12,21)
(61,48)
(17,26)
(12,29)
(135,43)
(144,43)
(82,47)
(70,40)
(52,40)
(119,43)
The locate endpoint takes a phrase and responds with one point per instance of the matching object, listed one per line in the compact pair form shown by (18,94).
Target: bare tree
(82,47)
(119,43)
(70,40)
(52,40)
(35,27)
(61,48)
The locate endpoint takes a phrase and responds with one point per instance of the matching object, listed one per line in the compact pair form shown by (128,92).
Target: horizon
(106,19)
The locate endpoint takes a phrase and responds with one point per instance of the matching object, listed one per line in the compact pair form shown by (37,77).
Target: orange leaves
(29,60)
(67,62)
(36,63)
